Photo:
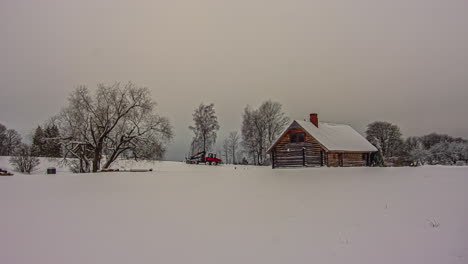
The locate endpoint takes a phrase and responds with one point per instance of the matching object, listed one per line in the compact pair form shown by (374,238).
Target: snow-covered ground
(202,214)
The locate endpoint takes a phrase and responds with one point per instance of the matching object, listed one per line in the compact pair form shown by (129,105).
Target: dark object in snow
(433,223)
(109,170)
(203,158)
(140,170)
(51,170)
(130,170)
(5,173)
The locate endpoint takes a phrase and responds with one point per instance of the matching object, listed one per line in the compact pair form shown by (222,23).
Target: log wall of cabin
(354,159)
(299,154)
(334,159)
(347,159)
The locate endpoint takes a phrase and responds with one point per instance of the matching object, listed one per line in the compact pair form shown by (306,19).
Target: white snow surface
(235,214)
(334,137)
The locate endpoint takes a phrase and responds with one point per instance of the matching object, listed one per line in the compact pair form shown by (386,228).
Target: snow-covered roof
(333,137)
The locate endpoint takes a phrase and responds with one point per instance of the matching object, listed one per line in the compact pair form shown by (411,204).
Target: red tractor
(202,157)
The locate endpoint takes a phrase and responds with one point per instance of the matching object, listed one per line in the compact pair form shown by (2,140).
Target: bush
(377,159)
(23,160)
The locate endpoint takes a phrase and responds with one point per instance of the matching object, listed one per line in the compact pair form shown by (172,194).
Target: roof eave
(286,130)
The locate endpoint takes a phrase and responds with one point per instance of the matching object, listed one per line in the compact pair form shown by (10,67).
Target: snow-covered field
(201,214)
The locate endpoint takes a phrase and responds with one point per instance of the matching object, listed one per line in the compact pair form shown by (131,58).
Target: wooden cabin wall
(334,159)
(347,159)
(354,159)
(287,154)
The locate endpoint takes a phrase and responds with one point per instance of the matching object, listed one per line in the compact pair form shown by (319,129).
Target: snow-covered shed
(314,143)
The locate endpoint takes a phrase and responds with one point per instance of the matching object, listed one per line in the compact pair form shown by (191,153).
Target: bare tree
(205,127)
(275,119)
(23,159)
(261,127)
(448,153)
(117,119)
(226,151)
(419,156)
(248,136)
(432,139)
(386,137)
(254,134)
(143,133)
(12,141)
(233,144)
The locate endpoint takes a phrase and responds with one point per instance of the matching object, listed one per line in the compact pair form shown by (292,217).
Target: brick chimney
(314,119)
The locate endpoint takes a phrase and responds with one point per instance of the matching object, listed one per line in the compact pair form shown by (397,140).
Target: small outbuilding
(313,143)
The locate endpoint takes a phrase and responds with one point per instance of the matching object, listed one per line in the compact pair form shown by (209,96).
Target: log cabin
(313,143)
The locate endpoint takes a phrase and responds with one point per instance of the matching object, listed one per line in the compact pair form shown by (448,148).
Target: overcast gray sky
(403,61)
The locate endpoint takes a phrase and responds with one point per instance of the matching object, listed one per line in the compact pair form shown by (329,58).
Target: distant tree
(24,160)
(3,130)
(38,142)
(434,149)
(465,152)
(119,118)
(261,127)
(377,159)
(253,139)
(448,153)
(11,142)
(456,152)
(415,152)
(419,156)
(233,144)
(440,153)
(275,120)
(412,143)
(432,139)
(205,127)
(226,151)
(46,142)
(386,137)
(52,147)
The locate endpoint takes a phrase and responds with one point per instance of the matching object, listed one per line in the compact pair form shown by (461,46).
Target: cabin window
(297,137)
(300,137)
(293,137)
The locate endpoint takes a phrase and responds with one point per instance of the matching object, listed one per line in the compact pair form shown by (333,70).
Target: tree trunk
(96,161)
(97,158)
(204,143)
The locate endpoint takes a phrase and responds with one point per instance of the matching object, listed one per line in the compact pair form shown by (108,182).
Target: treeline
(259,128)
(11,141)
(431,149)
(94,129)
(22,156)
(45,142)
